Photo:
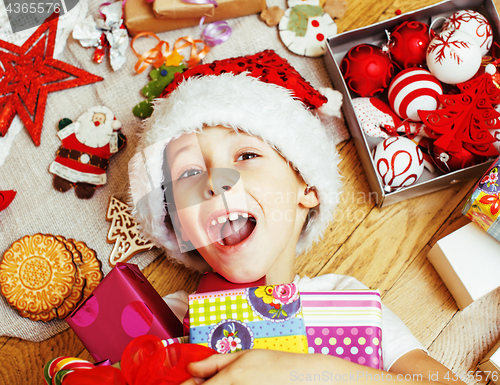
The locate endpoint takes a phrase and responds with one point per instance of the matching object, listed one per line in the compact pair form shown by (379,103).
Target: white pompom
(116,124)
(332,107)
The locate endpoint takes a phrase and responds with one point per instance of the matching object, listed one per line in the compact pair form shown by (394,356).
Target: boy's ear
(309,198)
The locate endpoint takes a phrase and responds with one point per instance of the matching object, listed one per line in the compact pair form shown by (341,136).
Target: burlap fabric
(38,208)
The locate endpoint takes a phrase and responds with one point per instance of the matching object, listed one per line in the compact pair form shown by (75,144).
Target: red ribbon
(145,361)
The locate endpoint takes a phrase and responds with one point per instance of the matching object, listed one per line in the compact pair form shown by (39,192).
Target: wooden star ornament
(28,73)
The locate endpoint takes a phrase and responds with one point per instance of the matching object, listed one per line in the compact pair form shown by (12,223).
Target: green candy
(160,79)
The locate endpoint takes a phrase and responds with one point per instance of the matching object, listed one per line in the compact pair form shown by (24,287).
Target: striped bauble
(414,89)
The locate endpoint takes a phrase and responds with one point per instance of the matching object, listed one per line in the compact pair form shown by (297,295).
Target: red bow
(145,361)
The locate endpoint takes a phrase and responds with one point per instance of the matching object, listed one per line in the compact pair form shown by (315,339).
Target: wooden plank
(469,335)
(432,305)
(355,204)
(23,361)
(390,238)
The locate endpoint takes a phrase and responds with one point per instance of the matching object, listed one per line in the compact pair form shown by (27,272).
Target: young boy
(236,173)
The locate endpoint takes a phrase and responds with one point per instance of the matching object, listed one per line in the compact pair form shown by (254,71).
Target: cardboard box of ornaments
(376,34)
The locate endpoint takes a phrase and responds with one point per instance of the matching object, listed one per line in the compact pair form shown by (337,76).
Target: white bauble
(399,162)
(453,56)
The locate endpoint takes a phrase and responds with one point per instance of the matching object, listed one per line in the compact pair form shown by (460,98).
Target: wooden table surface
(384,248)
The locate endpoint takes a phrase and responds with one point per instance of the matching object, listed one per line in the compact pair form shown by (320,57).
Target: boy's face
(239,203)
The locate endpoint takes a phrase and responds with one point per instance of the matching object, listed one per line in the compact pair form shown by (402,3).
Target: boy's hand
(274,367)
(246,367)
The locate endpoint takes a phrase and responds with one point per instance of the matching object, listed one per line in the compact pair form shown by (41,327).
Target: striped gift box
(346,324)
(239,319)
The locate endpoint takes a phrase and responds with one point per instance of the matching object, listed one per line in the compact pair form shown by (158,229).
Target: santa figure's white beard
(94,136)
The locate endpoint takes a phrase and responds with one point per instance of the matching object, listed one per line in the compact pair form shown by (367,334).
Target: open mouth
(231,229)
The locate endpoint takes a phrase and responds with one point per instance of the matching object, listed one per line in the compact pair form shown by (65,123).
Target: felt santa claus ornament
(86,147)
(261,95)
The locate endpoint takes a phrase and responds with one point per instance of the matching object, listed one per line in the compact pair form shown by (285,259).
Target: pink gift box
(346,324)
(122,307)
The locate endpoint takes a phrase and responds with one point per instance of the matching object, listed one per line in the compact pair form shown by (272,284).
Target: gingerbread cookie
(37,274)
(124,233)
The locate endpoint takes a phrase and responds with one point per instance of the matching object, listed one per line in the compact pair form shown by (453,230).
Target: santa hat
(261,95)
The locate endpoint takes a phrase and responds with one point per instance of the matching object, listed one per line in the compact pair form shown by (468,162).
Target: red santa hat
(261,95)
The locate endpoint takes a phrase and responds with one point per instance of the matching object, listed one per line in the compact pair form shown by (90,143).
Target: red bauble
(408,44)
(448,162)
(367,69)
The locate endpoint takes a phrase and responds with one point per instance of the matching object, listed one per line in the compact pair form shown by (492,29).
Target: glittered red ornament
(408,44)
(448,162)
(367,69)
(30,73)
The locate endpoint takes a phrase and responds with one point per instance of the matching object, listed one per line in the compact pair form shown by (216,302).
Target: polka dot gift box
(123,306)
(261,317)
(346,324)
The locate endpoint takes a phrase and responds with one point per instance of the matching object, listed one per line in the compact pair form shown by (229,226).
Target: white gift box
(468,262)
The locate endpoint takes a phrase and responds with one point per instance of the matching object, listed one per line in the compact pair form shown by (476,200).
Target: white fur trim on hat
(242,102)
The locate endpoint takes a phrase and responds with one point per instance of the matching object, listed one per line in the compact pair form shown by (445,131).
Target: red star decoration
(28,73)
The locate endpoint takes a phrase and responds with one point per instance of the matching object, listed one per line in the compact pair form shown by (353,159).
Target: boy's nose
(222,180)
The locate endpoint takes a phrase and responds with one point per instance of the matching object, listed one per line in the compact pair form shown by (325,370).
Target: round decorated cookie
(304,29)
(37,274)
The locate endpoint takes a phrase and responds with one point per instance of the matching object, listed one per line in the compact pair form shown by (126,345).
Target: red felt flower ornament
(28,73)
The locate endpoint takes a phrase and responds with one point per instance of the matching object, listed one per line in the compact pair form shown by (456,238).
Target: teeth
(221,219)
(232,217)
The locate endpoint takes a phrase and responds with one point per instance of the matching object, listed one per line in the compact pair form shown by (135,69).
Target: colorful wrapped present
(226,9)
(140,16)
(346,324)
(483,206)
(123,306)
(262,317)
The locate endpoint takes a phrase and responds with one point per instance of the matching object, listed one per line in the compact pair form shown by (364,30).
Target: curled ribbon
(153,56)
(160,53)
(216,33)
(195,56)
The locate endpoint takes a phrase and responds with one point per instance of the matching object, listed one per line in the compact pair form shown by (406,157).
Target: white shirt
(397,339)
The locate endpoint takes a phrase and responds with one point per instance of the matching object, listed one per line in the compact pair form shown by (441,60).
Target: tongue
(236,231)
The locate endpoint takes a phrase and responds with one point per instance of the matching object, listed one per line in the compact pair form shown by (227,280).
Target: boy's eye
(189,173)
(247,156)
